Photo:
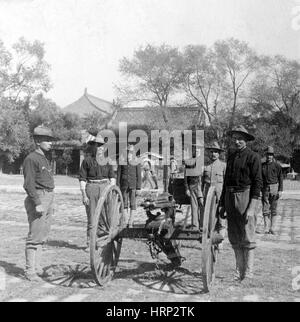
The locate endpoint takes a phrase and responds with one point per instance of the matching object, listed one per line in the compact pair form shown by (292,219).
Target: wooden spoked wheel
(209,253)
(105,246)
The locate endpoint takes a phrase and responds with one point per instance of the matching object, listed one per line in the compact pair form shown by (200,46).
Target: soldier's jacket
(213,175)
(192,172)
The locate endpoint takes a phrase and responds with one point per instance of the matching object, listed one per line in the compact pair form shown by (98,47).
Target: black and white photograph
(150,153)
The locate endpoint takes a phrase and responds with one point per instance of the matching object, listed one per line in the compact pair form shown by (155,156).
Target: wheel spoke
(106,247)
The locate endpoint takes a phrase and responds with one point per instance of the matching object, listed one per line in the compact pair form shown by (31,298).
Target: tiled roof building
(88,104)
(179,118)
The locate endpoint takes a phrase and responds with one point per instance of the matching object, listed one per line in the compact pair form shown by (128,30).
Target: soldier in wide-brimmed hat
(94,176)
(240,199)
(39,203)
(272,190)
(213,175)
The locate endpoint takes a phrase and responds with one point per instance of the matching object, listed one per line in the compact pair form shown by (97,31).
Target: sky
(85,39)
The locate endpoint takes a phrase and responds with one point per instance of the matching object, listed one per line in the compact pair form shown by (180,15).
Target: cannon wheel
(209,254)
(105,246)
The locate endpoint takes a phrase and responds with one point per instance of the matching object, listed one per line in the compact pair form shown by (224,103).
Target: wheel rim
(209,256)
(105,246)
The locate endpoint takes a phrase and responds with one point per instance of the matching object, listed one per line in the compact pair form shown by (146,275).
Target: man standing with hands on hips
(240,199)
(39,203)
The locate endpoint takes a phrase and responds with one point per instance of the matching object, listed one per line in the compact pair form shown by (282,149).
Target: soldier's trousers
(39,223)
(93,191)
(241,233)
(270,200)
(196,193)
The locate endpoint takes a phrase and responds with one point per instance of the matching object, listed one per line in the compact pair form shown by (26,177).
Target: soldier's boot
(239,259)
(266,223)
(249,263)
(273,225)
(30,271)
(131,219)
(87,248)
(38,258)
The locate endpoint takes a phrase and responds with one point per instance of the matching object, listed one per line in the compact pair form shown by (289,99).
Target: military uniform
(192,182)
(96,177)
(39,186)
(129,180)
(272,185)
(213,175)
(241,191)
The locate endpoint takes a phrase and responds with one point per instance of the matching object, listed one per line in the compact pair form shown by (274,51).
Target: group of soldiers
(240,184)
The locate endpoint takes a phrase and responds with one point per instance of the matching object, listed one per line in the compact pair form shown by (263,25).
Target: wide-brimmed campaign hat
(215,147)
(44,132)
(240,129)
(98,139)
(269,150)
(130,148)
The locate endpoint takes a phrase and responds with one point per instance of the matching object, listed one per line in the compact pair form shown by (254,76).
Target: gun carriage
(161,231)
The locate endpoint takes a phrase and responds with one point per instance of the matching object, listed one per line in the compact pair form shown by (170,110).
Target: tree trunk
(2,159)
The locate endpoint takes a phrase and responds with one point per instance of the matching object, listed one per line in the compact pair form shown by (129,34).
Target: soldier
(149,175)
(192,183)
(240,199)
(39,203)
(272,190)
(93,178)
(129,180)
(213,175)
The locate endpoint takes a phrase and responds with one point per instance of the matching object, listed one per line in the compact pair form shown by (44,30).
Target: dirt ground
(138,276)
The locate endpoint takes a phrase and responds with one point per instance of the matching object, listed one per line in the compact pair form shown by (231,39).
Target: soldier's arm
(29,172)
(138,176)
(280,179)
(82,181)
(256,177)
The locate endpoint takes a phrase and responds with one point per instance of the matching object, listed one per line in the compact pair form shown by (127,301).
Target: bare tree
(236,61)
(203,82)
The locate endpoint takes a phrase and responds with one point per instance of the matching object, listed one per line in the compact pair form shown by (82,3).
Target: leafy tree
(14,131)
(152,75)
(276,87)
(5,60)
(26,70)
(94,122)
(64,160)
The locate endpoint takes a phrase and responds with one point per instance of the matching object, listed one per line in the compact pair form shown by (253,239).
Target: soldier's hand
(201,201)
(250,213)
(251,210)
(222,213)
(279,194)
(40,209)
(85,200)
(188,193)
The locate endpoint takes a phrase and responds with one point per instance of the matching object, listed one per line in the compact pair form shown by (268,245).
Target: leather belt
(45,190)
(98,181)
(237,189)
